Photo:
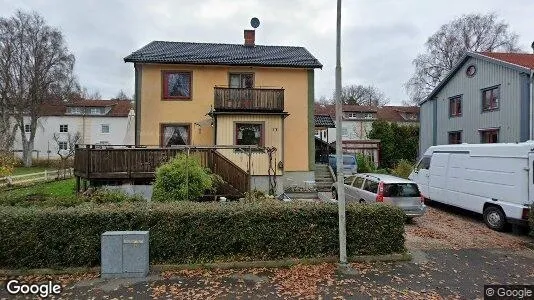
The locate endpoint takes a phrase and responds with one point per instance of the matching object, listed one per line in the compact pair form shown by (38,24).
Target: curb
(397,257)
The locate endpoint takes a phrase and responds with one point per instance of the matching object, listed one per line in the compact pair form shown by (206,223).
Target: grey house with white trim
(486,98)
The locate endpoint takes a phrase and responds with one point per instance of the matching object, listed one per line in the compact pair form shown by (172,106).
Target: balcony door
(241,93)
(241,80)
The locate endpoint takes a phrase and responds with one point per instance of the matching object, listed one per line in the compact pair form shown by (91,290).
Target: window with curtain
(241,80)
(455,137)
(175,135)
(176,85)
(455,106)
(249,134)
(489,136)
(491,98)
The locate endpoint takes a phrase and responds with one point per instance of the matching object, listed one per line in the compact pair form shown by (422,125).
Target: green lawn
(54,193)
(29,170)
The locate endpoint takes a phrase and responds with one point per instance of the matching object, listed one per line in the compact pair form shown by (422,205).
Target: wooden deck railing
(141,163)
(249,99)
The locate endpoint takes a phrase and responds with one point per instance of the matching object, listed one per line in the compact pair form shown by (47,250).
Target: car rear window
(370,186)
(348,160)
(401,190)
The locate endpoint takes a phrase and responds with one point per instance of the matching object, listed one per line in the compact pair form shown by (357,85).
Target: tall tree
(444,49)
(35,67)
(121,95)
(363,95)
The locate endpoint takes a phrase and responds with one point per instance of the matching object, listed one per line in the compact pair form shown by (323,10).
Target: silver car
(371,188)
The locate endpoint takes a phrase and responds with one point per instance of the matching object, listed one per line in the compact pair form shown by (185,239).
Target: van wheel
(362,201)
(494,218)
(334,194)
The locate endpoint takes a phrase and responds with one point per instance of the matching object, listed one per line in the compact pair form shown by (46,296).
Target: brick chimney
(250,37)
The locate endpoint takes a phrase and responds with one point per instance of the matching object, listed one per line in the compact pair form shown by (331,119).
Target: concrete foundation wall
(144,191)
(297,179)
(261,183)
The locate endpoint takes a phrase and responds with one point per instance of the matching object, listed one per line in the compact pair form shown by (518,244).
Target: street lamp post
(339,150)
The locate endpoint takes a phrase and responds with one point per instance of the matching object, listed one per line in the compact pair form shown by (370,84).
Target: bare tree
(35,67)
(66,146)
(90,95)
(121,95)
(363,95)
(324,101)
(444,49)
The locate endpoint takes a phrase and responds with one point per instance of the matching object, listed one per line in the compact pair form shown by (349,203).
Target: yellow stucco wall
(154,111)
(272,126)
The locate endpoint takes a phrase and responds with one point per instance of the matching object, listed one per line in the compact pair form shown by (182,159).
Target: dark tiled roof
(359,108)
(224,54)
(398,113)
(119,108)
(323,121)
(387,113)
(520,59)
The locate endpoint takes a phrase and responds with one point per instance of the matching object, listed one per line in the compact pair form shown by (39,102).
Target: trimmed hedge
(196,232)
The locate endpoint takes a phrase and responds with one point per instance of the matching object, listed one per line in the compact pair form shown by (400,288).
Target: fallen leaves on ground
(445,227)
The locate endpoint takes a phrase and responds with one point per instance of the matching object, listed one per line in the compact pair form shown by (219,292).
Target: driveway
(454,256)
(446,227)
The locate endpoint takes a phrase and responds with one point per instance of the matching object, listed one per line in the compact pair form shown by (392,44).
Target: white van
(495,180)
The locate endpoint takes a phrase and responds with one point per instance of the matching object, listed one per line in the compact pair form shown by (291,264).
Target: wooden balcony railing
(228,99)
(140,163)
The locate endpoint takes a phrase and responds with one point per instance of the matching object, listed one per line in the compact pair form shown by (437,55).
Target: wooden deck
(123,163)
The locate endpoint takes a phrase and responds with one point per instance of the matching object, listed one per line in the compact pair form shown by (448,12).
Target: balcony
(256,99)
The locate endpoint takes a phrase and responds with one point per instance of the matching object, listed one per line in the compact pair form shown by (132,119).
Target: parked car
(371,188)
(495,180)
(350,165)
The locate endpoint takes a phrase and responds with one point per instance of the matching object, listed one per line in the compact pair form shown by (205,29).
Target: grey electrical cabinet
(124,254)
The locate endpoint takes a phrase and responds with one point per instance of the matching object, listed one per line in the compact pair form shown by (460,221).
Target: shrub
(365,165)
(382,171)
(189,232)
(402,169)
(182,178)
(7,163)
(256,196)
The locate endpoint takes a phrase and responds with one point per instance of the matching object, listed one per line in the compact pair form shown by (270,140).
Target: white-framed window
(63,145)
(27,128)
(369,116)
(104,128)
(75,110)
(63,128)
(96,111)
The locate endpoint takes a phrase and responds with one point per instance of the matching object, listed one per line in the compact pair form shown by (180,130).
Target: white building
(96,122)
(357,122)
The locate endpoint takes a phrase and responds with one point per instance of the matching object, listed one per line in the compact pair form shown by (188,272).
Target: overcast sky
(380,38)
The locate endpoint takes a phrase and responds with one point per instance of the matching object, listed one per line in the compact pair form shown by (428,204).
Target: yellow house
(209,94)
